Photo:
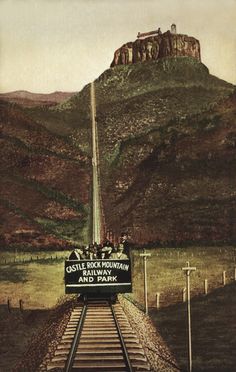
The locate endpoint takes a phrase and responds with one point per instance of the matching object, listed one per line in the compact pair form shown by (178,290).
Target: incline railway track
(98,337)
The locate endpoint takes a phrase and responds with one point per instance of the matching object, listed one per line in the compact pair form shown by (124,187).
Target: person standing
(76,254)
(126,244)
(119,254)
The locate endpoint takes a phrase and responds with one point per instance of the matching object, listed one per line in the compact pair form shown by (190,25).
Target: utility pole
(187,270)
(145,255)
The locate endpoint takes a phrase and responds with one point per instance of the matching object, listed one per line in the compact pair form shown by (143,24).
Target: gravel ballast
(43,346)
(157,352)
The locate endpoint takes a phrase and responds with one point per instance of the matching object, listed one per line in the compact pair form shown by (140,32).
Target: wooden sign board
(100,276)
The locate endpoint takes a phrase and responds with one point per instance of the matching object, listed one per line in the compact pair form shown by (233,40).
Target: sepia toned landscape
(146,150)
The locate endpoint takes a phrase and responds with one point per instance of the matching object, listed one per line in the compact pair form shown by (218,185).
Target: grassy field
(165,275)
(213,315)
(38,281)
(36,278)
(213,330)
(17,329)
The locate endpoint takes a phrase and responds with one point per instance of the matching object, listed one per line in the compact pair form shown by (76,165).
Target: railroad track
(99,338)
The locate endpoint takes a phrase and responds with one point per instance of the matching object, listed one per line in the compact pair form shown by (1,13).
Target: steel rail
(71,356)
(124,349)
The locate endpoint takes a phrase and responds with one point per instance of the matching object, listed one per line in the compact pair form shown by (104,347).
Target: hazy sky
(48,45)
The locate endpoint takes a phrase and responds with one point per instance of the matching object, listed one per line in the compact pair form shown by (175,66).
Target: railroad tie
(99,346)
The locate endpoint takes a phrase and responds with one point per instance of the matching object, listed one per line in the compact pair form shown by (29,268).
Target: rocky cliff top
(154,46)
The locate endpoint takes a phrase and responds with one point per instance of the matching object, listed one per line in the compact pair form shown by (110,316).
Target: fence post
(224,277)
(184,294)
(21,305)
(187,271)
(9,305)
(158,300)
(205,286)
(145,255)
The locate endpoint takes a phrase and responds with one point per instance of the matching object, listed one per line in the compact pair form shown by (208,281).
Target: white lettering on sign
(75,267)
(96,272)
(103,279)
(86,279)
(94,265)
(115,265)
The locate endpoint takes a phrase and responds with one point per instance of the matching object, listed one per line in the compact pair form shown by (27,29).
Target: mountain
(167,150)
(44,202)
(28,99)
(167,142)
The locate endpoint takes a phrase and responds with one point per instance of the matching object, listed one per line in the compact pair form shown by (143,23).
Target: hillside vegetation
(44,187)
(167,151)
(167,140)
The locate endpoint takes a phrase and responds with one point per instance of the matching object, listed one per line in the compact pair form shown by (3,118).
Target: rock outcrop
(156,47)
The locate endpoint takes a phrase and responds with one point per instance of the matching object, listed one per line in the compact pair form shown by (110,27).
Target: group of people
(107,250)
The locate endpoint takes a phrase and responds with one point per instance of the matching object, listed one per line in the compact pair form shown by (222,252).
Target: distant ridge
(28,99)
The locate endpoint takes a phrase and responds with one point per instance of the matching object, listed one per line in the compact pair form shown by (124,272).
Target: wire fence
(26,260)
